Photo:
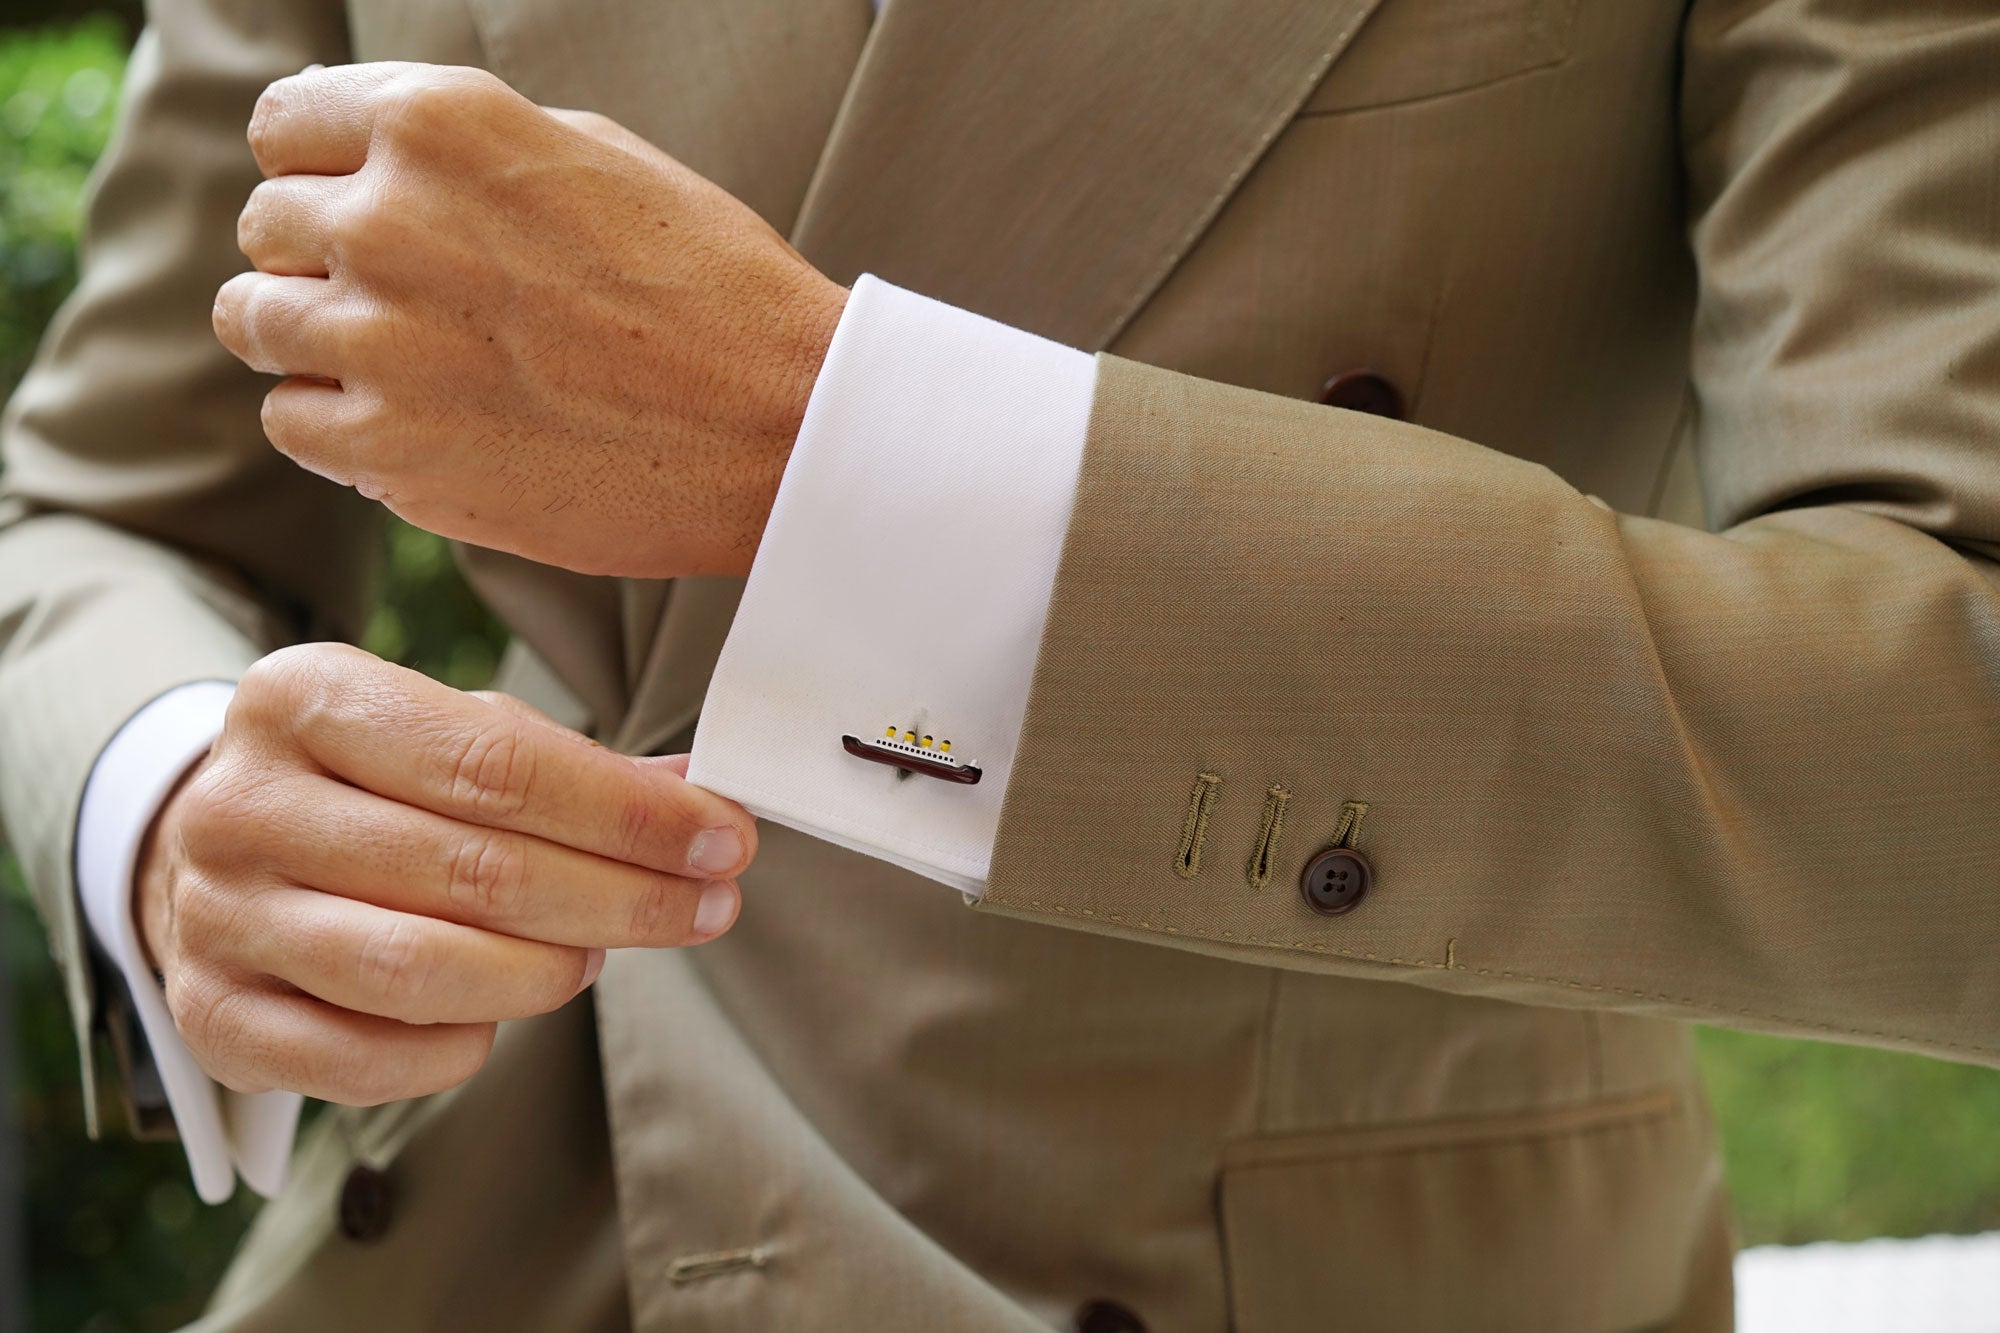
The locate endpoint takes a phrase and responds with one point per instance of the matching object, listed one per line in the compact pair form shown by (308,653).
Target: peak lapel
(741,91)
(1047,162)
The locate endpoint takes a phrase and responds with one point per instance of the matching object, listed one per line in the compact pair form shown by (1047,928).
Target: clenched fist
(529,330)
(370,869)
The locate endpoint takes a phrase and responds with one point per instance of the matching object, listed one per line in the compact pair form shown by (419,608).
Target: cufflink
(906,750)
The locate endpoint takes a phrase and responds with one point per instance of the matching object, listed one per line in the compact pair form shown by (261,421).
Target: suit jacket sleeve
(1747,776)
(148,534)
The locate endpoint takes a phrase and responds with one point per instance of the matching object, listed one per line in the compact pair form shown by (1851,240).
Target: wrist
(807,334)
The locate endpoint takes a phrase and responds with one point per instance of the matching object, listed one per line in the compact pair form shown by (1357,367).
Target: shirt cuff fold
(222,1132)
(902,583)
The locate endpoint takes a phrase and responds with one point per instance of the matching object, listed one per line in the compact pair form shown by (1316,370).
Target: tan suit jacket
(1618,771)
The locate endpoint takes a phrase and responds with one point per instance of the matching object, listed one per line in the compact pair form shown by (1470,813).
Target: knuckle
(371,419)
(372,435)
(395,962)
(220,814)
(660,912)
(358,1076)
(253,223)
(270,104)
(431,105)
(655,832)
(276,426)
(229,318)
(255,311)
(202,913)
(349,1073)
(493,773)
(419,107)
(352,230)
(207,803)
(315,691)
(487,877)
(352,331)
(473,85)
(208,1012)
(300,689)
(262,688)
(366,227)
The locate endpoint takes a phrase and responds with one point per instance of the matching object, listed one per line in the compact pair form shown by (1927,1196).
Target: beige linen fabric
(1618,771)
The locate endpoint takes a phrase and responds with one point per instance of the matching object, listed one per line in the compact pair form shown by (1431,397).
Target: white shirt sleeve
(902,582)
(223,1132)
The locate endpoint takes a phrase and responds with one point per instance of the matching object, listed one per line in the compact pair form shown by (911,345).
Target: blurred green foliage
(116,1238)
(57,91)
(1827,1142)
(1822,1141)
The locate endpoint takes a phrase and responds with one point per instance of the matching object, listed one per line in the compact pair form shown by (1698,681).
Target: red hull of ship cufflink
(905,750)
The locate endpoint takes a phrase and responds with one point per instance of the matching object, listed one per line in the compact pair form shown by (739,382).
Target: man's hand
(525,329)
(370,869)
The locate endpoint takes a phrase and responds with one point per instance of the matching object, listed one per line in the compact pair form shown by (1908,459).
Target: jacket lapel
(742,91)
(1048,162)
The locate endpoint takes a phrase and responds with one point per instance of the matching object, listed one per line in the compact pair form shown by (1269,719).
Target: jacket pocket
(1411,49)
(1579,1220)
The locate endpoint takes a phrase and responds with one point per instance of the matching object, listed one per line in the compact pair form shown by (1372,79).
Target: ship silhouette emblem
(904,749)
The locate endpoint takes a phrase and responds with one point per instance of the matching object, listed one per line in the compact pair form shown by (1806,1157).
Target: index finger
(319,122)
(404,736)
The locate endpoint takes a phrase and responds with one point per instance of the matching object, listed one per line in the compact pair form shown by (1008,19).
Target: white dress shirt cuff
(222,1132)
(902,582)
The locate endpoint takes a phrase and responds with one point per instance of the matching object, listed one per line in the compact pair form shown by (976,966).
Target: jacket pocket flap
(1579,1220)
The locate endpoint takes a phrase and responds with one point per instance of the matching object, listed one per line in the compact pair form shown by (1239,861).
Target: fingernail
(716,851)
(592,968)
(716,910)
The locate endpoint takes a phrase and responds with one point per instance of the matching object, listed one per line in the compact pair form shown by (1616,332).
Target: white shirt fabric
(904,578)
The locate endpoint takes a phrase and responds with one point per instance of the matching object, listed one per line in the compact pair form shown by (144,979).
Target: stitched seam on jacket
(1685,1001)
(1453,1136)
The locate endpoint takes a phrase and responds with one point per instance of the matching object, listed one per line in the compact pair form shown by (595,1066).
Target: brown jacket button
(1106,1317)
(365,1204)
(1363,391)
(1335,881)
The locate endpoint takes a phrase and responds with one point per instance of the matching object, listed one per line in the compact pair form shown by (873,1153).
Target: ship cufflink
(911,753)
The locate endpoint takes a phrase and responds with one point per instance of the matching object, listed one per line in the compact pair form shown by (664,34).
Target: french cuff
(222,1132)
(897,600)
